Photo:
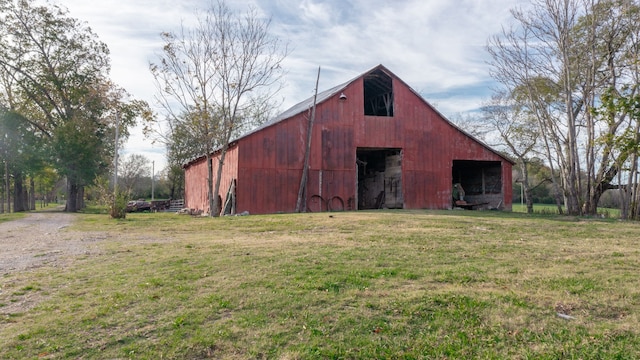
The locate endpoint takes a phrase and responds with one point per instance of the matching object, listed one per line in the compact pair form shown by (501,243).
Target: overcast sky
(435,46)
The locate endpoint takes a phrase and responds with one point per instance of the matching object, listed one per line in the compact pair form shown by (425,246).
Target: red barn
(375,143)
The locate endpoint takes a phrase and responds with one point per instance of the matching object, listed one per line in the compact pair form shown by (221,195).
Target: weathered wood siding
(195,192)
(268,163)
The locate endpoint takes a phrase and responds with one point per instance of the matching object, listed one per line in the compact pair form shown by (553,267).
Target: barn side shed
(376,143)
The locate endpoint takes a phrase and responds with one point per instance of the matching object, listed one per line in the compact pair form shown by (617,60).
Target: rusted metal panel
(196,175)
(336,149)
(195,190)
(263,191)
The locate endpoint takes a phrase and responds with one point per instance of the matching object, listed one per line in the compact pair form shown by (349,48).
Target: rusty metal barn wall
(195,185)
(269,162)
(229,171)
(196,180)
(269,168)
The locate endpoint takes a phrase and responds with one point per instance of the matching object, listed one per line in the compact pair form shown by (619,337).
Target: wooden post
(301,204)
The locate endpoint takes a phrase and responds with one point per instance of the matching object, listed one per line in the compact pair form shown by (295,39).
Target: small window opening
(378,94)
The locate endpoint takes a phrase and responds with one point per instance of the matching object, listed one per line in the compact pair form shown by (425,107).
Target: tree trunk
(525,186)
(557,194)
(18,198)
(625,196)
(635,202)
(571,175)
(212,200)
(7,185)
(591,206)
(25,196)
(80,198)
(172,190)
(216,190)
(32,194)
(2,200)
(72,196)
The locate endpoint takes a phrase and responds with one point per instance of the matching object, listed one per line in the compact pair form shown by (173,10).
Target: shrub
(118,209)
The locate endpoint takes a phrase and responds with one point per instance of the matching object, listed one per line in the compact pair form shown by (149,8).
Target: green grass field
(548,209)
(11,216)
(352,285)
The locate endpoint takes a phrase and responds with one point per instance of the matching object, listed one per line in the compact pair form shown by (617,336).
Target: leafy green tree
(45,183)
(22,153)
(58,72)
(562,57)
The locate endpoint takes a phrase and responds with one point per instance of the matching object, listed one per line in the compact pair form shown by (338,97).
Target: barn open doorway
(379,178)
(477,184)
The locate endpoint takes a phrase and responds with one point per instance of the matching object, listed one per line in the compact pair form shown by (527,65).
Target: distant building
(376,143)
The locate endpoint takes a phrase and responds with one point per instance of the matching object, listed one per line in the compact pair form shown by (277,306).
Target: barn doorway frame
(480,182)
(379,178)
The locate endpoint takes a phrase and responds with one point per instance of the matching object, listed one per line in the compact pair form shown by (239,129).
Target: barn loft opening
(379,178)
(477,184)
(378,94)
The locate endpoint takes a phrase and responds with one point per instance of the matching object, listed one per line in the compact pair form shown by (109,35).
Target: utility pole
(153,176)
(301,203)
(115,162)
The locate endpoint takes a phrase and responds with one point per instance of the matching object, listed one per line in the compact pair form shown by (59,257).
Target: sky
(436,46)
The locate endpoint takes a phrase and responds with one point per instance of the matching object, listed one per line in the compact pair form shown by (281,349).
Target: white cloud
(436,46)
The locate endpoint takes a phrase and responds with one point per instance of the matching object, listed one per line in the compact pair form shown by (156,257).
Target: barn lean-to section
(375,144)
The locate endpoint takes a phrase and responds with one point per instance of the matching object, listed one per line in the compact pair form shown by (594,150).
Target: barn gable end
(375,143)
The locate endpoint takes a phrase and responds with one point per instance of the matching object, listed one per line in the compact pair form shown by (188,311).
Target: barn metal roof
(306,105)
(302,106)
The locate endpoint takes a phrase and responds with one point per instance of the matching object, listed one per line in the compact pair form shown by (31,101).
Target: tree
(45,182)
(132,170)
(215,77)
(58,72)
(22,154)
(562,56)
(518,131)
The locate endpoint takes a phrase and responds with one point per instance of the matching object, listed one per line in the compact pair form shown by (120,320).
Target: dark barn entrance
(477,184)
(379,178)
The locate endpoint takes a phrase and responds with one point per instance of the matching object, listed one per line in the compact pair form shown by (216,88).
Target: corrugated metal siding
(196,194)
(195,189)
(268,163)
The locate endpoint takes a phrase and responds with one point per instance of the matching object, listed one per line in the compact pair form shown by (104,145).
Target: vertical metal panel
(196,175)
(195,191)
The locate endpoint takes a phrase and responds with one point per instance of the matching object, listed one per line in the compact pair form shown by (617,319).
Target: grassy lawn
(549,209)
(384,284)
(11,216)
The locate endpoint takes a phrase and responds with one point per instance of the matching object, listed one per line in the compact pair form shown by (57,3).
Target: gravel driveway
(39,239)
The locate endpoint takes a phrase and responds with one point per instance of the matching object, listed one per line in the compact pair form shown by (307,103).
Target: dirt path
(39,239)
